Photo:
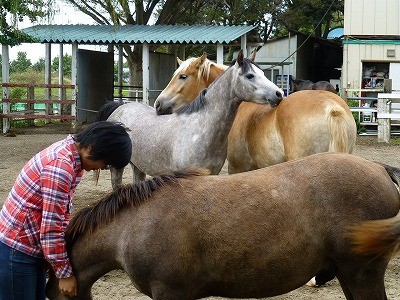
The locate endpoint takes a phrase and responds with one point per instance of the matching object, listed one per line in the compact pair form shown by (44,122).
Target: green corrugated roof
(136,34)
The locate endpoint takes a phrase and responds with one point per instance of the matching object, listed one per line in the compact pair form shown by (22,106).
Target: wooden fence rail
(31,113)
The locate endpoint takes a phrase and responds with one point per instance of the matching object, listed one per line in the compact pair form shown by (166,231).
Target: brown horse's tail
(380,236)
(341,138)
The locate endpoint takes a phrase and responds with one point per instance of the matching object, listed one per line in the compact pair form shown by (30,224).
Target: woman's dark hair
(109,141)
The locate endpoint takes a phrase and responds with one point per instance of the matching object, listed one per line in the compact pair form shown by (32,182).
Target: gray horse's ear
(179,61)
(239,59)
(252,55)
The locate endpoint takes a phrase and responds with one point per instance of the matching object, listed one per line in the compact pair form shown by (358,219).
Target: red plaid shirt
(37,211)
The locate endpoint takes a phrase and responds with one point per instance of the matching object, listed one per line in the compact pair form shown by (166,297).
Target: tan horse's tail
(342,130)
(379,236)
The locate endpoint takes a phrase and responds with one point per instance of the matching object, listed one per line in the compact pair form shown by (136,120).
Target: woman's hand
(68,286)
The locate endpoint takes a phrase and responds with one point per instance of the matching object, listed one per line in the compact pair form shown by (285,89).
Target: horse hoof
(312,283)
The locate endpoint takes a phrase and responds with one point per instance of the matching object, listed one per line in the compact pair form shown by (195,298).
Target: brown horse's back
(249,235)
(243,235)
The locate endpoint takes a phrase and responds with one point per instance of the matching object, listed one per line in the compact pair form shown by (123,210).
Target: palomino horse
(197,134)
(304,123)
(248,235)
(301,84)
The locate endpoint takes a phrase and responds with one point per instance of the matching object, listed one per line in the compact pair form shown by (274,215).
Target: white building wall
(271,54)
(372,17)
(355,54)
(379,18)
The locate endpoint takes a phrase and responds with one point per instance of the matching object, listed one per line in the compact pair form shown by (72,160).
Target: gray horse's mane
(102,212)
(196,105)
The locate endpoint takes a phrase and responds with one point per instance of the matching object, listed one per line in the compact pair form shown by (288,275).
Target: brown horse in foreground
(304,123)
(249,235)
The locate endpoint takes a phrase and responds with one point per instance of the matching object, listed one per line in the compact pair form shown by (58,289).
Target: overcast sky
(65,14)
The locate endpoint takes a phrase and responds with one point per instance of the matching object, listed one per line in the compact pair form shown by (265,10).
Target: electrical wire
(308,37)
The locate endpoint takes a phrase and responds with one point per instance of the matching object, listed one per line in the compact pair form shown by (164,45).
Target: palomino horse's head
(192,76)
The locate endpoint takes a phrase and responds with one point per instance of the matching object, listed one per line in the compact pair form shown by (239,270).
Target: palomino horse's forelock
(103,211)
(202,72)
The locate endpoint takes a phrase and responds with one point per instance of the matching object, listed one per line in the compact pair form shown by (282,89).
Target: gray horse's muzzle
(275,101)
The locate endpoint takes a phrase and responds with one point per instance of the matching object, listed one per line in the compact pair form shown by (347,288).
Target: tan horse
(304,123)
(249,235)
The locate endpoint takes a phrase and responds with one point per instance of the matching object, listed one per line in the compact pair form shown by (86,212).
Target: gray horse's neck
(208,129)
(219,109)
(220,98)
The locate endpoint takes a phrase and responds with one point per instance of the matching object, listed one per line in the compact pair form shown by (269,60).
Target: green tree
(262,14)
(67,67)
(271,17)
(14,11)
(314,17)
(21,64)
(39,66)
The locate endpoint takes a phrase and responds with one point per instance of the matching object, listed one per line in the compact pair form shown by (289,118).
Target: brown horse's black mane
(103,211)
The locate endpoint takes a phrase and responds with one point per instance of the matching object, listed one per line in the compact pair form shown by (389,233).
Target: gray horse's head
(251,84)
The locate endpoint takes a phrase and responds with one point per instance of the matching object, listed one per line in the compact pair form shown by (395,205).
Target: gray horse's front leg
(137,174)
(116,177)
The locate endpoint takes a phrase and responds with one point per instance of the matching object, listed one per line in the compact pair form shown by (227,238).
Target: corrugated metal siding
(136,34)
(372,17)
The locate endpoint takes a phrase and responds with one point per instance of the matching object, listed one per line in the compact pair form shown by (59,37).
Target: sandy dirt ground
(15,151)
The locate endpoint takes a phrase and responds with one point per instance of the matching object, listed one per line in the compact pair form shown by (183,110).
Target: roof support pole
(146,72)
(182,52)
(5,71)
(74,75)
(61,92)
(243,44)
(47,78)
(120,69)
(220,54)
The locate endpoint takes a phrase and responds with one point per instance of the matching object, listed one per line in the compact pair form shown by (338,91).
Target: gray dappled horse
(197,134)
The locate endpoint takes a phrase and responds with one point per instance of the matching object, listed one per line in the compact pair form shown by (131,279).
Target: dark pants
(22,277)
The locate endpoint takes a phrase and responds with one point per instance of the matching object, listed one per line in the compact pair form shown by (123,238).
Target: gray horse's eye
(183,76)
(249,76)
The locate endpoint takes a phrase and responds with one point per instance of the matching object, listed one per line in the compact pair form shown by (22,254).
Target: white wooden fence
(388,110)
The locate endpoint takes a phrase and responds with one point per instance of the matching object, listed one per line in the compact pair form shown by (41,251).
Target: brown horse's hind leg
(363,281)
